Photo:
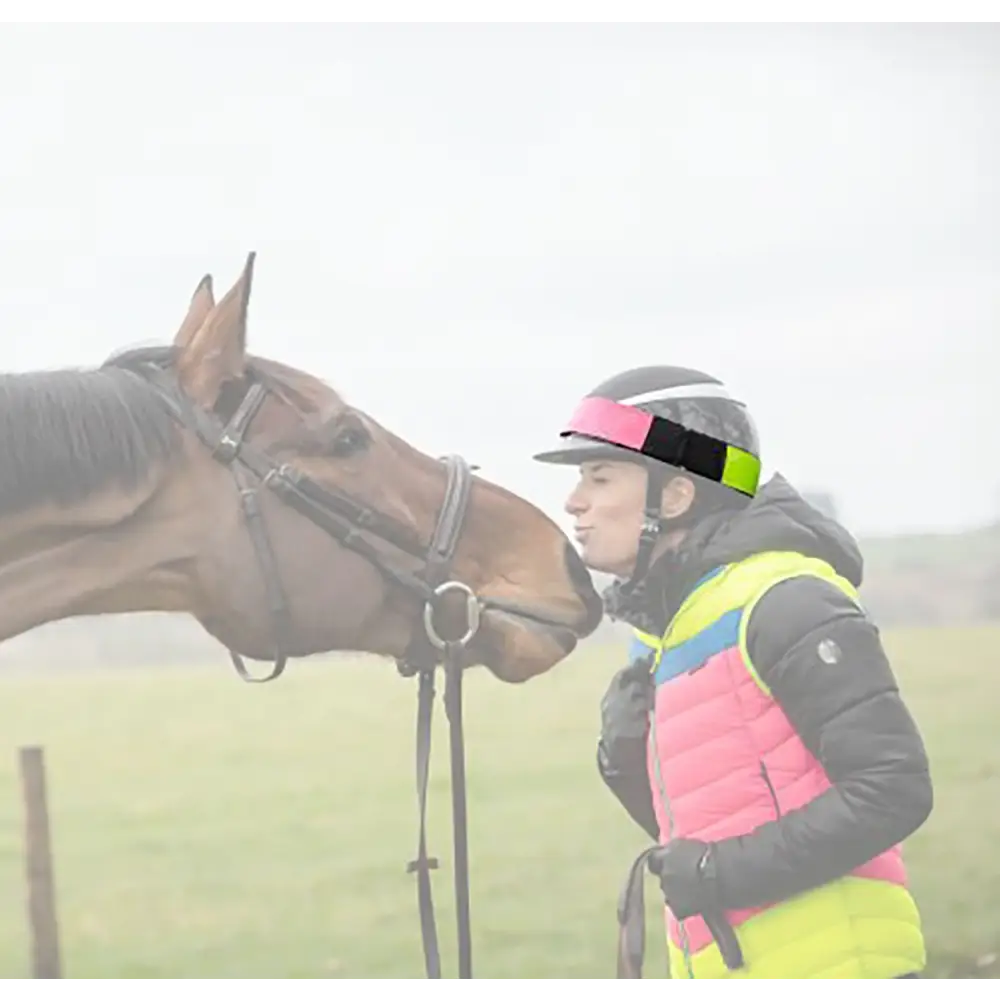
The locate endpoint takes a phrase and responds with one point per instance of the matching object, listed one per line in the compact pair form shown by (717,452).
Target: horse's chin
(515,649)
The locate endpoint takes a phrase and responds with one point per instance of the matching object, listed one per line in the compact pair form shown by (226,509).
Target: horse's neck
(57,563)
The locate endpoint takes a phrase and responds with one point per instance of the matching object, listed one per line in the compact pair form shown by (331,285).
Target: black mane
(65,435)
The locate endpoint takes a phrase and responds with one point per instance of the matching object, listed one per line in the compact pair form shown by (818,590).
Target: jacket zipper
(770,787)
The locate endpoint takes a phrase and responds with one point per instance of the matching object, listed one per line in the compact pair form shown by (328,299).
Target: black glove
(625,706)
(621,749)
(687,877)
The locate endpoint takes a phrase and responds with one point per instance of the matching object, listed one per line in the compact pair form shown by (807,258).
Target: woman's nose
(574,504)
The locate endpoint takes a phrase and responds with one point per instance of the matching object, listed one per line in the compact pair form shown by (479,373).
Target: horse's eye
(349,442)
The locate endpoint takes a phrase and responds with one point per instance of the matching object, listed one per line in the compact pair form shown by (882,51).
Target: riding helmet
(693,399)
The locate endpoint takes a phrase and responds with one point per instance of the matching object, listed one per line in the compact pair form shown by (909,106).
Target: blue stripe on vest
(693,652)
(710,575)
(639,650)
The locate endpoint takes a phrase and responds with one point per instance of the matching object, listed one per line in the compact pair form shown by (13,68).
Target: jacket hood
(778,518)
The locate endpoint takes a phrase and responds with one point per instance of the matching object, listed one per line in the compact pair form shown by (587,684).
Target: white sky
(463,228)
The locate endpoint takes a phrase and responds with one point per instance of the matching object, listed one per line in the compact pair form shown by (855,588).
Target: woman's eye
(348,442)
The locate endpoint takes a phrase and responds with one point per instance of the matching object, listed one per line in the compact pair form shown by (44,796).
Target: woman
(758,734)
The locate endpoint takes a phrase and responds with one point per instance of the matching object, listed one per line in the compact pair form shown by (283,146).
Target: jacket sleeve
(627,780)
(621,748)
(823,661)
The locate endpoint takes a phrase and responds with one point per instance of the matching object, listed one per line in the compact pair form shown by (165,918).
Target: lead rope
(632,925)
(422,865)
(460,832)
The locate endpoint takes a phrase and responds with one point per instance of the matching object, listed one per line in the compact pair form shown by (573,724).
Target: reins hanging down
(422,865)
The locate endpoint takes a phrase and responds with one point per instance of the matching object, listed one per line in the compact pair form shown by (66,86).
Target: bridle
(353,525)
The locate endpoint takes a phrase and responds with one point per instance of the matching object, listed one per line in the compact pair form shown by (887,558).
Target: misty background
(464,227)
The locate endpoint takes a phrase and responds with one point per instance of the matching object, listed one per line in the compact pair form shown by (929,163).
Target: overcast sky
(463,228)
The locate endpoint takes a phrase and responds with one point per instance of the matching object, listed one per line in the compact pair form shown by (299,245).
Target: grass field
(208,828)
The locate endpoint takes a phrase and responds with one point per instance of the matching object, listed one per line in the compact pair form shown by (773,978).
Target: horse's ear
(216,351)
(202,303)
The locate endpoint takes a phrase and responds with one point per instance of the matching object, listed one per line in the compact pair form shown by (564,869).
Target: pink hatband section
(616,423)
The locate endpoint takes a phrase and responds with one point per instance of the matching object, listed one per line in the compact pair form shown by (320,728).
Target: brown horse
(116,496)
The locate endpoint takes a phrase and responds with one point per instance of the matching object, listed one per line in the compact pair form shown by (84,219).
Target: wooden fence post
(44,925)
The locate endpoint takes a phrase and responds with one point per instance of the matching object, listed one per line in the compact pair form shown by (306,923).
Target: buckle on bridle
(472,611)
(227,449)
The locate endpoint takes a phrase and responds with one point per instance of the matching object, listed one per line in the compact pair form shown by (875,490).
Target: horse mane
(67,434)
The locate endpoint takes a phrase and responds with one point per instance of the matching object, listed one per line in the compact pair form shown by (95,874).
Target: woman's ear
(678,495)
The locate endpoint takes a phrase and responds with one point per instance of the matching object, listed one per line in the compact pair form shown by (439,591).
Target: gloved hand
(621,749)
(687,877)
(625,706)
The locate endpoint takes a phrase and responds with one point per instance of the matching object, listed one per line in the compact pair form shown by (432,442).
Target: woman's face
(607,505)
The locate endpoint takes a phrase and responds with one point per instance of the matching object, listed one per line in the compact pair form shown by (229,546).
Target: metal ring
(471,609)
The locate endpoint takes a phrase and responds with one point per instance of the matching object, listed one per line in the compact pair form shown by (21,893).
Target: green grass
(207,828)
